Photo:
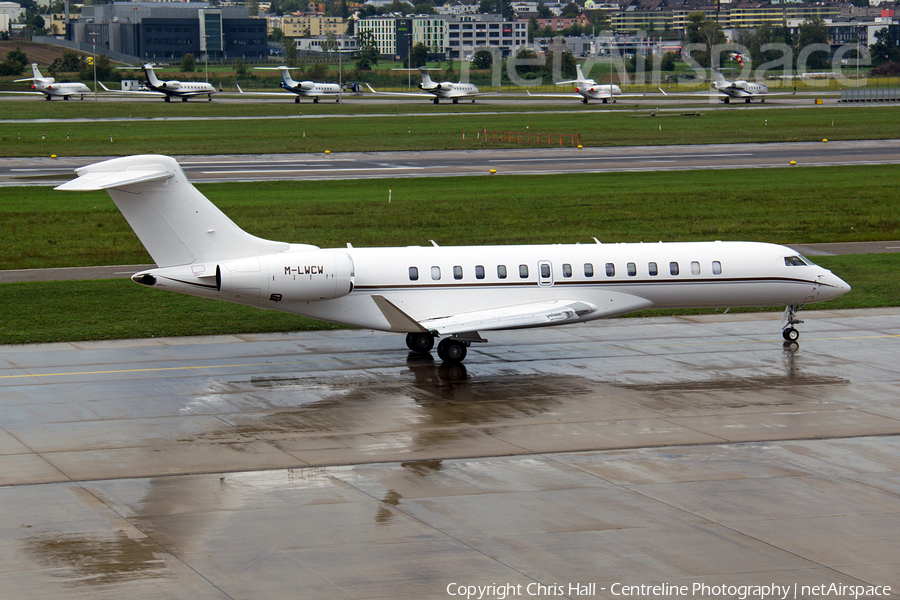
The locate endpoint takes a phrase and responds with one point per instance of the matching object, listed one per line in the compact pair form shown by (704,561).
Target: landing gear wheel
(168,98)
(184,99)
(456,101)
(420,343)
(790,334)
(315,100)
(297,100)
(436,101)
(452,351)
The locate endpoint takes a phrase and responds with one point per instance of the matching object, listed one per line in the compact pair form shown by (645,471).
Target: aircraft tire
(184,99)
(297,100)
(790,334)
(168,99)
(456,101)
(315,100)
(437,101)
(452,351)
(420,343)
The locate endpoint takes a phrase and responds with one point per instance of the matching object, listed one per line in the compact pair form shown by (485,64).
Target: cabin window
(653,268)
(695,267)
(610,270)
(479,271)
(545,270)
(632,269)
(436,273)
(523,271)
(501,271)
(567,270)
(588,270)
(717,268)
(673,268)
(794,261)
(457,272)
(413,273)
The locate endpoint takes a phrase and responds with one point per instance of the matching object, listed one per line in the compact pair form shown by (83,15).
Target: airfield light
(94,35)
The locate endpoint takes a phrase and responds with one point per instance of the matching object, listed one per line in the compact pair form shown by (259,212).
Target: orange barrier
(532,139)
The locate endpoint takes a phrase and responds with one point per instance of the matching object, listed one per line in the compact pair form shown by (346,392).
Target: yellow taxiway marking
(300,362)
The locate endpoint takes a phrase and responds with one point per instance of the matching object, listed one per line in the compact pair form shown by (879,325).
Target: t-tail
(721,82)
(175,222)
(152,79)
(286,78)
(427,82)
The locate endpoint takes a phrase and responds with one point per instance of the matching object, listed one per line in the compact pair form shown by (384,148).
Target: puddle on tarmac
(97,561)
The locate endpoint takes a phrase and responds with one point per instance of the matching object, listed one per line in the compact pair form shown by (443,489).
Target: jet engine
(306,85)
(445,86)
(288,276)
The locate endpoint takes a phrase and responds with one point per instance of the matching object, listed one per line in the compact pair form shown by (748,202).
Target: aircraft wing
(532,314)
(579,96)
(413,94)
(133,92)
(311,94)
(12,92)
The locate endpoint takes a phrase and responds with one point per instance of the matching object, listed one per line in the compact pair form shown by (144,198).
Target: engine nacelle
(445,86)
(307,85)
(288,276)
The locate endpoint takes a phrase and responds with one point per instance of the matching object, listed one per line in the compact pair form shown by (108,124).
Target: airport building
(455,36)
(167,31)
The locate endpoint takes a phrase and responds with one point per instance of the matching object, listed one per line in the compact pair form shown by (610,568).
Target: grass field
(120,309)
(421,131)
(43,228)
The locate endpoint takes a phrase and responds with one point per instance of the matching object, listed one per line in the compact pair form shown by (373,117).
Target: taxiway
(332,465)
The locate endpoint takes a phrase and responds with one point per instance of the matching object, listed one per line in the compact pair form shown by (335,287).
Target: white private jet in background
(732,90)
(444,90)
(587,89)
(49,87)
(168,89)
(299,89)
(453,293)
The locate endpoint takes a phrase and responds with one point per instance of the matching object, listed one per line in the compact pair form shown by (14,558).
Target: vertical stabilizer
(286,77)
(36,71)
(579,73)
(175,222)
(152,79)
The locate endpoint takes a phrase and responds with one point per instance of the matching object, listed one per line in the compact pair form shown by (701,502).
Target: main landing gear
(790,319)
(450,350)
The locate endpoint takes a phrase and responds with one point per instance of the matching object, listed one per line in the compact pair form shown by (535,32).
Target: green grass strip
(440,132)
(119,309)
(40,228)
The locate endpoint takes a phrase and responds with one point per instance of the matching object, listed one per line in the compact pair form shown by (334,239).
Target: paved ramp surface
(332,465)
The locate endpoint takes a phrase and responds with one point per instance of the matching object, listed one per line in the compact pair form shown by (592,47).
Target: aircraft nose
(832,286)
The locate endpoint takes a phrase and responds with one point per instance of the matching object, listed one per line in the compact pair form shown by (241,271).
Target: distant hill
(42,54)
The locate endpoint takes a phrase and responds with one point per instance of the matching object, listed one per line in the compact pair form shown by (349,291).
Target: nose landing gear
(789,333)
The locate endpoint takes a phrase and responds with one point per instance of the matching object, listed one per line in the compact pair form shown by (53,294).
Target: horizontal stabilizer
(115,179)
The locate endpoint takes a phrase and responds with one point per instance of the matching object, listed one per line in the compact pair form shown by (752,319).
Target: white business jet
(732,90)
(587,89)
(452,293)
(168,89)
(444,90)
(299,89)
(49,87)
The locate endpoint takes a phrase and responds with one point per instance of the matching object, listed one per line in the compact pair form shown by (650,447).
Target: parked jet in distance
(452,293)
(299,89)
(168,89)
(49,87)
(728,90)
(588,89)
(445,90)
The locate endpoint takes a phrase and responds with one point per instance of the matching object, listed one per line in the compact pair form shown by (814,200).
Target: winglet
(104,87)
(239,88)
(371,89)
(398,320)
(663,91)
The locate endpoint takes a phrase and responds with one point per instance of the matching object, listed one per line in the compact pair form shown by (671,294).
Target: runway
(667,450)
(366,165)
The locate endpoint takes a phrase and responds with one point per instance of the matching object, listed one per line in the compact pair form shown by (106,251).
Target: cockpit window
(795,261)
